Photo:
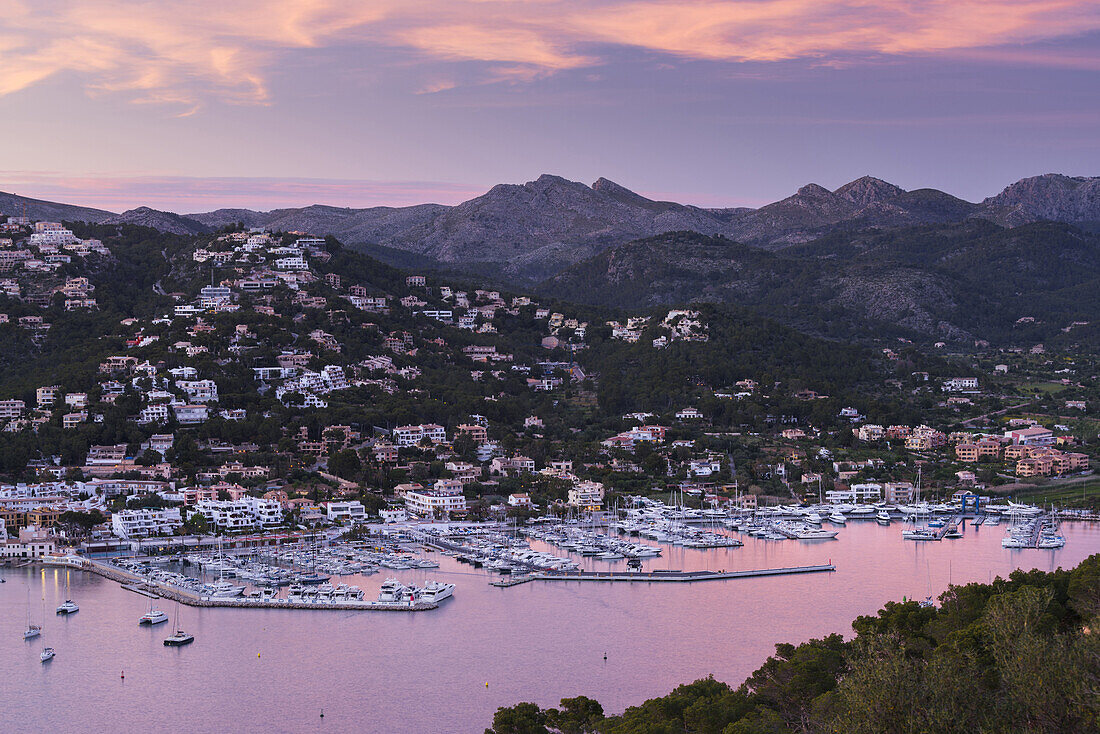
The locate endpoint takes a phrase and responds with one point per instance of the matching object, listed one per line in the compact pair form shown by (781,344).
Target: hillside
(958,281)
(14,205)
(162,221)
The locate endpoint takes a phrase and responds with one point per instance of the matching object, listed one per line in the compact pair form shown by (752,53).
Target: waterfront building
(143,523)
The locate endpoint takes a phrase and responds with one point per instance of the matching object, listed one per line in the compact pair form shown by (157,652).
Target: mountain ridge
(534,230)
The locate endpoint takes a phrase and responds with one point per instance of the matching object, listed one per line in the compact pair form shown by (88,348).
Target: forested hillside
(953,282)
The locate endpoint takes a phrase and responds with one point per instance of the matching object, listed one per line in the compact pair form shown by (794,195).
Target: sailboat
(179,637)
(153,616)
(46,655)
(69,606)
(33,630)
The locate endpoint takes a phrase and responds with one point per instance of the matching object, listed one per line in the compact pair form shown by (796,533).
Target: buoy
(124,675)
(605,656)
(486,685)
(322,713)
(257,654)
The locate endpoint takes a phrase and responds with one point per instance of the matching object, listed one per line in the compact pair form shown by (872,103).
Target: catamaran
(179,637)
(153,616)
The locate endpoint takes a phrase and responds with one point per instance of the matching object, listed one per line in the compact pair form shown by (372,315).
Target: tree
(345,464)
(75,523)
(523,718)
(197,524)
(578,715)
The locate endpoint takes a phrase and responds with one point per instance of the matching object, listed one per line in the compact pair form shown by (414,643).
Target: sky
(191,105)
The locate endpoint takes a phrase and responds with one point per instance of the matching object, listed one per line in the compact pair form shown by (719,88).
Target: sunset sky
(193,104)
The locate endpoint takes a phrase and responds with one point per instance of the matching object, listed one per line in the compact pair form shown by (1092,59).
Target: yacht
(393,590)
(883,517)
(1051,541)
(837,518)
(68,607)
(152,617)
(809,533)
(436,591)
(46,655)
(224,590)
(919,534)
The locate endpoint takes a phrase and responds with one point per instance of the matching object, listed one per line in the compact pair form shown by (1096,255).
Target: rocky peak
(1051,196)
(868,190)
(814,191)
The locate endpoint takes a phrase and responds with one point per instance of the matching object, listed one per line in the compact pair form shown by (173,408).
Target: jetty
(676,576)
(136,584)
(514,581)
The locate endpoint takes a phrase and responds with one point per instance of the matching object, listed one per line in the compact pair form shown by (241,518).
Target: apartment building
(145,523)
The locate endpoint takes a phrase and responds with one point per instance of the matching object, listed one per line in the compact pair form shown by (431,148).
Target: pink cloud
(182,52)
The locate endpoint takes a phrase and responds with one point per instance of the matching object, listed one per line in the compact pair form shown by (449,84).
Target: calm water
(274,670)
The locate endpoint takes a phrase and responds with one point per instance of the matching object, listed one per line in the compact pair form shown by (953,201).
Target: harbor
(514,638)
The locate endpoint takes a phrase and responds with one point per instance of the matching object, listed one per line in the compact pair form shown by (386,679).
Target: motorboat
(46,655)
(153,617)
(920,534)
(68,607)
(837,518)
(808,533)
(393,591)
(883,517)
(436,591)
(225,590)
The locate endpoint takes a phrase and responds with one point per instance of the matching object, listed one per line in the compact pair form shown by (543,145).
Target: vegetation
(1019,654)
(955,281)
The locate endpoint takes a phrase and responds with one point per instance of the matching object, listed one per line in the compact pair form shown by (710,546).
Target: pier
(676,576)
(138,585)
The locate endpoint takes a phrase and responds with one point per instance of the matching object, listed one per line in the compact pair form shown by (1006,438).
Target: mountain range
(526,233)
(868,258)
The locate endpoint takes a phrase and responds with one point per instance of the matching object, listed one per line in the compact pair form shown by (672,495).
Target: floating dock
(676,576)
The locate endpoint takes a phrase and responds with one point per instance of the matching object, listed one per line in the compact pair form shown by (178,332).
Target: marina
(566,629)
